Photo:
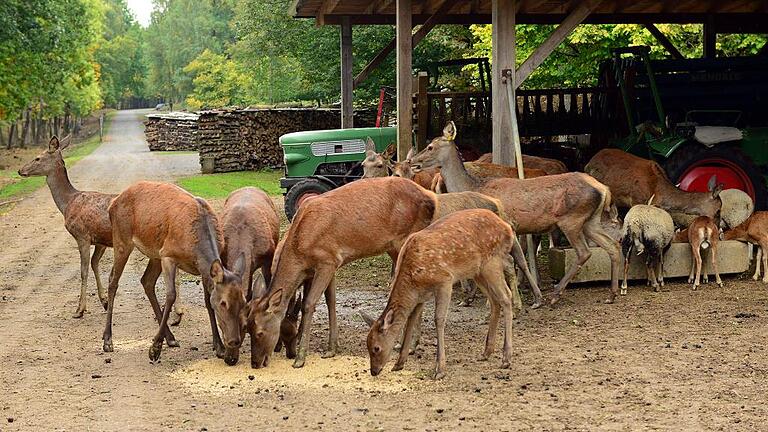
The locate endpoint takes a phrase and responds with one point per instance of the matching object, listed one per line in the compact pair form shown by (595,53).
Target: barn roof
(728,16)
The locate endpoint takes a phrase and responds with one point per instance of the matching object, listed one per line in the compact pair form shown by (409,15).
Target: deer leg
(493,319)
(333,326)
(697,259)
(764,249)
(595,232)
(85,253)
(500,292)
(627,256)
(218,345)
(442,302)
(692,275)
(178,307)
(519,257)
(758,263)
(470,292)
(713,256)
(169,276)
(660,273)
(576,239)
(122,253)
(704,268)
(413,320)
(149,282)
(98,252)
(323,277)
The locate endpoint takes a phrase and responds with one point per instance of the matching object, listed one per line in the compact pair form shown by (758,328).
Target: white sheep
(737,207)
(647,229)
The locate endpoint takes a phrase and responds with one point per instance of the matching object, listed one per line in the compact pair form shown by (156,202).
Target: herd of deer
(468,231)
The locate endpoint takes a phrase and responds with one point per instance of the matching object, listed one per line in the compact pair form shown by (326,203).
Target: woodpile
(248,139)
(176,131)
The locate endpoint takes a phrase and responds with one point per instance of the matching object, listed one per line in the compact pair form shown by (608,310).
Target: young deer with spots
(176,230)
(466,244)
(572,202)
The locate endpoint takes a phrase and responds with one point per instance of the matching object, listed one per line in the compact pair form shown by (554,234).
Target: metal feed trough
(732,257)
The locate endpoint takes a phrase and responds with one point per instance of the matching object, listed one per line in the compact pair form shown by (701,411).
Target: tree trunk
(11,134)
(2,137)
(56,125)
(25,129)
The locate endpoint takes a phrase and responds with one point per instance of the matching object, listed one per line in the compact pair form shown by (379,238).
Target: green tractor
(696,117)
(321,160)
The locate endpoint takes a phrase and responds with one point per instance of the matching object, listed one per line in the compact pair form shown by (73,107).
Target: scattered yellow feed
(345,373)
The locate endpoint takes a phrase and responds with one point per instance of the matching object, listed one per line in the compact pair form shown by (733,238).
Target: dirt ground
(675,360)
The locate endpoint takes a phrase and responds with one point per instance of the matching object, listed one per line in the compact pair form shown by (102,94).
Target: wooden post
(347,113)
(422,102)
(710,39)
(404,78)
(503,41)
(664,41)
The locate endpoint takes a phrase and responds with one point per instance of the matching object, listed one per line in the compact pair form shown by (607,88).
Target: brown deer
(703,234)
(377,164)
(86,217)
(251,227)
(549,166)
(360,219)
(466,244)
(176,230)
(633,180)
(572,202)
(754,231)
(85,213)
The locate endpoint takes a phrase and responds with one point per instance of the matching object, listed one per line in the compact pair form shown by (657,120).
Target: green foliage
(216,81)
(222,184)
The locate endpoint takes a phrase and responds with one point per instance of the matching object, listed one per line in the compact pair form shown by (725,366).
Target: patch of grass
(18,186)
(222,184)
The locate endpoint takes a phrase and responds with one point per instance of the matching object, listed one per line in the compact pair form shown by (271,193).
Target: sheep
(737,207)
(649,230)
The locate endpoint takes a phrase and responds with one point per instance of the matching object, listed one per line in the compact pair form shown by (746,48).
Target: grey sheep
(647,229)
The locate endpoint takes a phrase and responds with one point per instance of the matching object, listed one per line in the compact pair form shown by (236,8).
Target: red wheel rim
(695,177)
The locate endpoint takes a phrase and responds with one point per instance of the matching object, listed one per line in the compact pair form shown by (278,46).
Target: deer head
(377,164)
(403,168)
(263,320)
(48,161)
(381,339)
(440,150)
(228,302)
(289,327)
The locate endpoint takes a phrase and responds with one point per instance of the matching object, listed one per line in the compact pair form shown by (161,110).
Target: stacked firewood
(175,131)
(248,139)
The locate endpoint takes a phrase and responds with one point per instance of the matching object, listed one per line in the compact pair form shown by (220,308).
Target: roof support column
(347,113)
(503,52)
(404,78)
(710,38)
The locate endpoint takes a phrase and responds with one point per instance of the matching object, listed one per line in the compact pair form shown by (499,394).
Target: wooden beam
(403,29)
(664,41)
(327,7)
(710,38)
(420,34)
(503,52)
(347,113)
(562,31)
(422,116)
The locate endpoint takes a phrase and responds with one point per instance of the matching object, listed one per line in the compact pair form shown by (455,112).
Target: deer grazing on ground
(465,244)
(326,234)
(633,180)
(754,231)
(703,235)
(176,230)
(573,202)
(251,227)
(86,216)
(548,166)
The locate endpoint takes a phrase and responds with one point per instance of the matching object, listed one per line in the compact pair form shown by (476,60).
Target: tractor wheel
(692,165)
(302,190)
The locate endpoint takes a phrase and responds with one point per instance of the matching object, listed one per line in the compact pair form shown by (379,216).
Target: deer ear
(613,212)
(410,154)
(389,319)
(717,190)
(274,300)
(53,145)
(239,267)
(449,131)
(712,183)
(367,318)
(217,272)
(390,151)
(370,148)
(65,142)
